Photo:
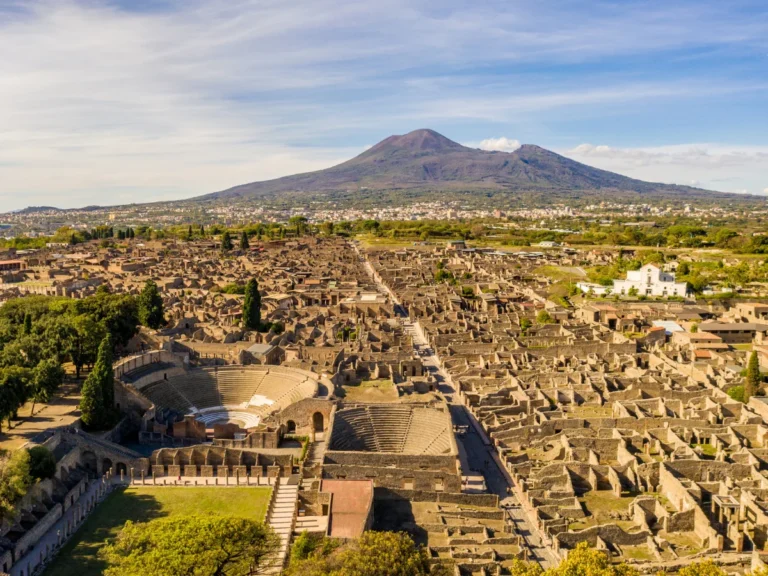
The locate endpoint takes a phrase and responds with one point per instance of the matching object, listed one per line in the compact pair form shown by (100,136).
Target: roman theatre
(238,395)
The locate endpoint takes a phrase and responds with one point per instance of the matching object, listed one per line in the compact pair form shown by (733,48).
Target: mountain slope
(426,159)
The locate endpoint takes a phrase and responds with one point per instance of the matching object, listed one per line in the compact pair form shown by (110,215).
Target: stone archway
(121,467)
(106,464)
(290,427)
(317,422)
(89,461)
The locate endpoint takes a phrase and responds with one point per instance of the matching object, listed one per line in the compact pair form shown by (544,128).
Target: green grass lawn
(144,503)
(370,391)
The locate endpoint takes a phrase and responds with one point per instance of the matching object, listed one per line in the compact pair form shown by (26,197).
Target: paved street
(477,453)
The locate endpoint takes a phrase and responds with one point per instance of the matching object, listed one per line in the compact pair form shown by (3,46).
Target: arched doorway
(121,467)
(317,422)
(290,427)
(106,464)
(88,459)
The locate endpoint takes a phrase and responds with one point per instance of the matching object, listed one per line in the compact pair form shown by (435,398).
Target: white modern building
(650,280)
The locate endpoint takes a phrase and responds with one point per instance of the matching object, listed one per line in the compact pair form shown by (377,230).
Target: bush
(736,393)
(42,463)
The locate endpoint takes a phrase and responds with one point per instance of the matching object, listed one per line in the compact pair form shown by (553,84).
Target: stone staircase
(316,452)
(281,517)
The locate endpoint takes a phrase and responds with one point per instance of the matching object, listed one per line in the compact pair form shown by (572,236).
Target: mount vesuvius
(424,159)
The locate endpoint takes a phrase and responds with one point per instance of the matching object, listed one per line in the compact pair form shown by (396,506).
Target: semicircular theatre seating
(392,428)
(259,390)
(247,419)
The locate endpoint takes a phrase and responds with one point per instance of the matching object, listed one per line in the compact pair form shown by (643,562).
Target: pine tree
(252,306)
(151,313)
(98,395)
(189,232)
(752,382)
(244,244)
(202,231)
(226,242)
(27,324)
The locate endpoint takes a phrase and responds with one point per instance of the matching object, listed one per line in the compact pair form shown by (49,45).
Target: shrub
(42,463)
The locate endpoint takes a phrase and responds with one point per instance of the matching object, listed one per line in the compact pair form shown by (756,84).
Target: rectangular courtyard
(144,503)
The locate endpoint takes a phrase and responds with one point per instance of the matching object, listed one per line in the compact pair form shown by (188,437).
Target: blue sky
(106,102)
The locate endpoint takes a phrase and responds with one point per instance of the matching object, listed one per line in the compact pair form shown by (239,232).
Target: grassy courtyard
(144,503)
(371,391)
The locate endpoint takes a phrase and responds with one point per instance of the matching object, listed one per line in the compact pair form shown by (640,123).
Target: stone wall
(269,438)
(610,533)
(135,362)
(479,500)
(302,415)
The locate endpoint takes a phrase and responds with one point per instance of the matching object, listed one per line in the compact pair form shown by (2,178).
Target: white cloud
(712,166)
(104,105)
(502,144)
(765,191)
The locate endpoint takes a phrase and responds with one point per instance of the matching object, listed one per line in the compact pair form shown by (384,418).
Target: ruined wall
(302,413)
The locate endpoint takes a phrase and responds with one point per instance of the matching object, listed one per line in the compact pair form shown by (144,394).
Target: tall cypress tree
(244,244)
(151,312)
(97,401)
(252,306)
(226,242)
(27,323)
(752,383)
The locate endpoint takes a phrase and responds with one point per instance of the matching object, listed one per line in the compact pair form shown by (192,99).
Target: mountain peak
(426,159)
(422,140)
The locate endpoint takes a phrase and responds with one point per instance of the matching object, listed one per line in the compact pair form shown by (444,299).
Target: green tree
(736,393)
(46,378)
(586,561)
(15,480)
(373,554)
(151,313)
(544,317)
(252,306)
(694,328)
(705,568)
(14,390)
(27,324)
(84,336)
(244,244)
(522,568)
(525,324)
(226,242)
(683,269)
(196,544)
(42,463)
(98,395)
(752,381)
(300,222)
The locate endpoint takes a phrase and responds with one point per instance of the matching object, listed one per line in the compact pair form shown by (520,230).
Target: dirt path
(61,411)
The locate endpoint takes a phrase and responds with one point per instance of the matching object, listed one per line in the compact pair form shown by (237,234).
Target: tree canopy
(97,402)
(185,545)
(15,480)
(544,317)
(752,381)
(226,242)
(373,554)
(150,303)
(252,306)
(42,463)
